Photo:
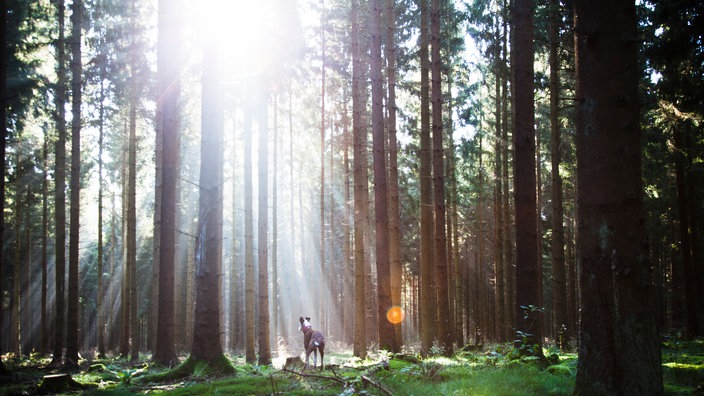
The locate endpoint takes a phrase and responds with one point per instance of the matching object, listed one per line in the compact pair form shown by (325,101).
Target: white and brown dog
(313,341)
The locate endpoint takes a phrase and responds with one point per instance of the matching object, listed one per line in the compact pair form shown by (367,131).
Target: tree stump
(58,383)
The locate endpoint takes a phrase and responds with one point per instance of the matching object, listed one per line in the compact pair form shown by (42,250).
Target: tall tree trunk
(276,303)
(559,281)
(619,346)
(506,222)
(72,318)
(440,247)
(250,353)
(168,131)
(263,224)
(319,298)
(394,214)
(207,335)
(500,202)
(4,52)
(44,316)
(60,193)
(101,325)
(528,316)
(348,302)
(131,231)
(428,290)
(359,133)
(387,335)
(685,217)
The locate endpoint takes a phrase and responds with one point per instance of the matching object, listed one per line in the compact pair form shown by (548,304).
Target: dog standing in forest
(313,341)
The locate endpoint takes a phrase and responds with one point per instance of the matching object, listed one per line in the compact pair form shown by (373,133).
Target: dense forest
(182,180)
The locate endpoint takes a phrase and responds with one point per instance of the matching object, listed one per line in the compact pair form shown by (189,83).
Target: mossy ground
(490,371)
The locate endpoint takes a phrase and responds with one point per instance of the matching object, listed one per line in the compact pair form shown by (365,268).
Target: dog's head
(305,324)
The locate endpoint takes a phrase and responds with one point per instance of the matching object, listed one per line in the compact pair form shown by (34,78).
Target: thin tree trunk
(100,323)
(440,236)
(428,290)
(131,231)
(60,194)
(44,319)
(559,281)
(72,319)
(4,52)
(360,180)
(263,224)
(249,240)
(394,214)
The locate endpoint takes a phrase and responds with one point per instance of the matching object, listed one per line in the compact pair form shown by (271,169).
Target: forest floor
(491,370)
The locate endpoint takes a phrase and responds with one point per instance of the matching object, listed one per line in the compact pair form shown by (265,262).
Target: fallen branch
(301,374)
(377,385)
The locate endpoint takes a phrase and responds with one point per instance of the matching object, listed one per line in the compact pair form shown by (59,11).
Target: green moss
(192,367)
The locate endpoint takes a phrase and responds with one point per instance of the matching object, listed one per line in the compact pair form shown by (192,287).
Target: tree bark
(168,131)
(60,193)
(619,347)
(528,316)
(559,282)
(250,354)
(359,133)
(428,289)
(72,319)
(387,335)
(444,328)
(394,214)
(207,341)
(263,225)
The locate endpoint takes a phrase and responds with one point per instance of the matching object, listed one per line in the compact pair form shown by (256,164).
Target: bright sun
(245,31)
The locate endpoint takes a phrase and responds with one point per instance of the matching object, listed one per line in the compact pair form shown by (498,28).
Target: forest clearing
(484,371)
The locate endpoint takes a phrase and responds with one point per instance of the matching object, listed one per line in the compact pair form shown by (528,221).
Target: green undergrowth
(493,370)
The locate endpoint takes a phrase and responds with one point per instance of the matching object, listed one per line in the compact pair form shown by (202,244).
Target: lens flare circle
(395,315)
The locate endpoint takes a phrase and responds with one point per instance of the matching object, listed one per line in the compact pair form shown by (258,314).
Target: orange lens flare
(395,315)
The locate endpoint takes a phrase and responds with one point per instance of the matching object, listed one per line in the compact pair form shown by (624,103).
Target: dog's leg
(322,354)
(315,357)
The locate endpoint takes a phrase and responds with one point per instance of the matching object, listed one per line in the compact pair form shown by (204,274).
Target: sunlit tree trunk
(348,301)
(428,296)
(394,214)
(321,256)
(263,226)
(72,319)
(131,232)
(169,137)
(387,335)
(249,239)
(507,222)
(275,298)
(207,334)
(440,235)
(360,180)
(44,316)
(60,193)
(619,344)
